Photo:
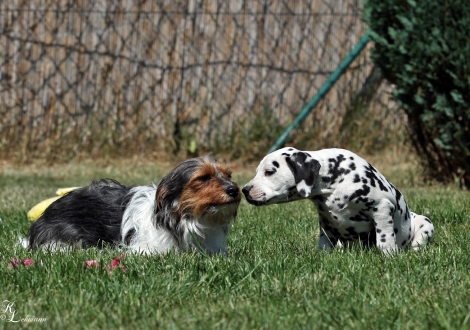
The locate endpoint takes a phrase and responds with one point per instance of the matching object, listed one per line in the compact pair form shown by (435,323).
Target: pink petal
(115,263)
(14,263)
(91,263)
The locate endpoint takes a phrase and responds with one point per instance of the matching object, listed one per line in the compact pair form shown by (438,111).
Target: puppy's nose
(246,190)
(232,191)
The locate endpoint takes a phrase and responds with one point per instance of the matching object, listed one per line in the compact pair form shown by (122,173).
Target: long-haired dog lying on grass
(191,207)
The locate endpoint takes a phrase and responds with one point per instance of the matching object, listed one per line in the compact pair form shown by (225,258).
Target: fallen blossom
(16,263)
(91,263)
(112,266)
(115,264)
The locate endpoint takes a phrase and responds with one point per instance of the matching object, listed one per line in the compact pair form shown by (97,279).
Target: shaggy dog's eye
(204,178)
(269,172)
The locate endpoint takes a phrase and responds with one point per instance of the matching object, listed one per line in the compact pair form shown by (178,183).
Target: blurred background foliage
(423,48)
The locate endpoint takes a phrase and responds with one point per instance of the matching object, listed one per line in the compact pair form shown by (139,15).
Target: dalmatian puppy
(355,202)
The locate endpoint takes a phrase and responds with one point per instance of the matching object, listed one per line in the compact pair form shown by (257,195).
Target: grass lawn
(275,276)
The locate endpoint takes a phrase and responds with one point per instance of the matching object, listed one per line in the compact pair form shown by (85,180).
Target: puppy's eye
(269,172)
(204,178)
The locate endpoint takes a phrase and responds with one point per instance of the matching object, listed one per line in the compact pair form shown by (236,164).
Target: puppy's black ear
(305,170)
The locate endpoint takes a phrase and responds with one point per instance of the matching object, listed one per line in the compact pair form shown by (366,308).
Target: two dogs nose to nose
(232,191)
(246,190)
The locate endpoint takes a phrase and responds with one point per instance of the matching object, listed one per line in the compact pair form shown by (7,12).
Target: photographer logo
(9,313)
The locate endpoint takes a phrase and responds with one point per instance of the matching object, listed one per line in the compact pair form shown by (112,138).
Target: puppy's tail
(424,231)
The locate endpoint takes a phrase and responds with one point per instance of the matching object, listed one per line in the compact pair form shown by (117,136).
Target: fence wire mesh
(99,76)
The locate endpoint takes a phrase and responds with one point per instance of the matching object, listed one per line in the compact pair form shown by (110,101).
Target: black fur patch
(370,172)
(91,215)
(335,170)
(357,178)
(360,192)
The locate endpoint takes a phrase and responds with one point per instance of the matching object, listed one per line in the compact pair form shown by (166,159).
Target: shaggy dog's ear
(306,171)
(170,187)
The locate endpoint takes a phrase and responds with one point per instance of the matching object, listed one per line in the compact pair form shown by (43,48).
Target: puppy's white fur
(354,200)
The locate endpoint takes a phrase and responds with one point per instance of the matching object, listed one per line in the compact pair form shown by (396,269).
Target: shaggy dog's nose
(232,191)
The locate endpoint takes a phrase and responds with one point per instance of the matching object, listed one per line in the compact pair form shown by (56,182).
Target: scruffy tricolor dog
(195,201)
(354,201)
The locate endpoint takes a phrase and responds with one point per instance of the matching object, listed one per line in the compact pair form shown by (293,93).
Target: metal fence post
(321,92)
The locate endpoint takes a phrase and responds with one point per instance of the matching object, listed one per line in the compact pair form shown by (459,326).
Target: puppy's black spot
(359,217)
(371,174)
(360,192)
(357,178)
(276,164)
(335,169)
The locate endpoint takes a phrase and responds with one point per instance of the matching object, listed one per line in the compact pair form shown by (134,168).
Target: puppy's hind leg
(327,240)
(383,217)
(424,231)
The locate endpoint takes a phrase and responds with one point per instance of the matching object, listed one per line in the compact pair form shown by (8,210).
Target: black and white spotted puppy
(355,202)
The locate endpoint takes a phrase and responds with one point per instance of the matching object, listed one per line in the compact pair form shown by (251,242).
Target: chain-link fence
(143,76)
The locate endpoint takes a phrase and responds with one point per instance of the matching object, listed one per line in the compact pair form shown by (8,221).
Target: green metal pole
(321,92)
